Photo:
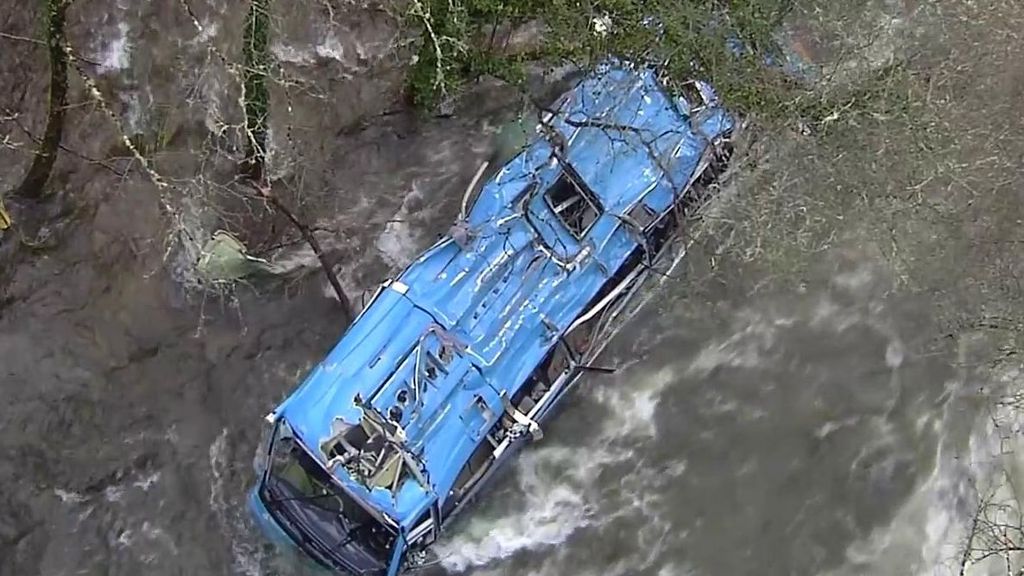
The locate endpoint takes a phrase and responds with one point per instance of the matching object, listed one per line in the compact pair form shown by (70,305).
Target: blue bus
(454,365)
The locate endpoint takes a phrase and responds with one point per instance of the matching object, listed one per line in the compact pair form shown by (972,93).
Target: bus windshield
(320,516)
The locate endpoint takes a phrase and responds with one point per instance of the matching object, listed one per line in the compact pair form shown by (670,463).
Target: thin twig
(21,38)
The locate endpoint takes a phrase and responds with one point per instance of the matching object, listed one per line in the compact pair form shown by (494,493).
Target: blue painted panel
(500,298)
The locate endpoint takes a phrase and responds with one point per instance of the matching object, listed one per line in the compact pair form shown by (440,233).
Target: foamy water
(623,478)
(115,54)
(246,559)
(568,499)
(558,483)
(928,535)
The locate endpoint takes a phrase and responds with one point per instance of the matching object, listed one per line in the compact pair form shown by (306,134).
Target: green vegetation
(255,51)
(725,42)
(33,185)
(465,39)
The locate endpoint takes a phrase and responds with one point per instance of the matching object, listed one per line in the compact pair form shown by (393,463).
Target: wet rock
(337,68)
(844,46)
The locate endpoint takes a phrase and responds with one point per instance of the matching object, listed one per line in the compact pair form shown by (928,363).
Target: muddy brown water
(825,426)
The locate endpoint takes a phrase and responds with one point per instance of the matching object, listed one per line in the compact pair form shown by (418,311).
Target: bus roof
(471,317)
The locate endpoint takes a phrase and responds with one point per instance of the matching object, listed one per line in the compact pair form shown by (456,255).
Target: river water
(825,423)
(786,434)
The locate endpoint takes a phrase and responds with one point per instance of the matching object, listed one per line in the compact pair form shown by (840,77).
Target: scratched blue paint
(502,297)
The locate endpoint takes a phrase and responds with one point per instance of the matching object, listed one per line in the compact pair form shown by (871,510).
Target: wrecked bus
(454,365)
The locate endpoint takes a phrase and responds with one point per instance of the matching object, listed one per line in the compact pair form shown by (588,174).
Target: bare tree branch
(307,234)
(21,38)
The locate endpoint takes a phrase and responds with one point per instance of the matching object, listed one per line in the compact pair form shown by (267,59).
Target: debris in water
(5,218)
(225,258)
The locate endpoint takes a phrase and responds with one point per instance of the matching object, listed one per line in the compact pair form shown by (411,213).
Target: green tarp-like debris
(225,258)
(511,139)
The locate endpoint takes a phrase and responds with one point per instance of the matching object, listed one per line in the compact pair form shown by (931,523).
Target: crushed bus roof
(468,321)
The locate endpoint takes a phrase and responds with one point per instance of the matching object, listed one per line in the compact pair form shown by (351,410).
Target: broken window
(445,353)
(558,362)
(691,92)
(642,215)
(372,451)
(478,465)
(572,204)
(434,366)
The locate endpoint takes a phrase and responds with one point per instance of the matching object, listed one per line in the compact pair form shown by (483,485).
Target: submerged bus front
(315,492)
(299,503)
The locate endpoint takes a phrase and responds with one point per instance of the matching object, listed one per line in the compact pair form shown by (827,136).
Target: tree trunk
(33,185)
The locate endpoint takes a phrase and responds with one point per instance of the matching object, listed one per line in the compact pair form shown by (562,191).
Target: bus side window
(424,532)
(558,362)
